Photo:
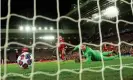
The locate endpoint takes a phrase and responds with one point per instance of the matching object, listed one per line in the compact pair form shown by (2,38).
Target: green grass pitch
(91,71)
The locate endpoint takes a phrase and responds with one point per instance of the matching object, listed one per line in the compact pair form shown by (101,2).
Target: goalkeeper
(94,55)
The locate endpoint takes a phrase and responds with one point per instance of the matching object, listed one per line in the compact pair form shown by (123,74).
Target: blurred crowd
(52,58)
(125,50)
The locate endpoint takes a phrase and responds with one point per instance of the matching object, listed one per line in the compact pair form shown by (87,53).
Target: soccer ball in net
(24,60)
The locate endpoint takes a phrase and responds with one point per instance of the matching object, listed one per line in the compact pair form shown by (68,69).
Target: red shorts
(61,48)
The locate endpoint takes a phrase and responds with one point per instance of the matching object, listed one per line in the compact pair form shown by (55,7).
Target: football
(24,60)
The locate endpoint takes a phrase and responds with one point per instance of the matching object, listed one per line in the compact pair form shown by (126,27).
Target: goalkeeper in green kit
(94,55)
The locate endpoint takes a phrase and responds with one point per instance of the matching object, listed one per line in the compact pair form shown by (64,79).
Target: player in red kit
(111,48)
(24,50)
(61,48)
(105,48)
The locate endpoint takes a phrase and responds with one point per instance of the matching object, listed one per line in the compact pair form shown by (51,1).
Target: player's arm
(76,48)
(88,57)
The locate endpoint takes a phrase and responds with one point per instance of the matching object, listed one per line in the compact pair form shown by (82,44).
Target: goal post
(102,15)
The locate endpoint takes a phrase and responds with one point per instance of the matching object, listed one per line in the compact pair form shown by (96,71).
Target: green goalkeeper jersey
(95,55)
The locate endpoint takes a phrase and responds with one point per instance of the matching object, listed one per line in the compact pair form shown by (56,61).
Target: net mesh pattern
(80,37)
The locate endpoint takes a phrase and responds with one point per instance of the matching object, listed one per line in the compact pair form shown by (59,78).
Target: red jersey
(62,46)
(111,48)
(105,48)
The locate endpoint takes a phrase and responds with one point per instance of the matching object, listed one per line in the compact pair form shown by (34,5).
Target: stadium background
(68,28)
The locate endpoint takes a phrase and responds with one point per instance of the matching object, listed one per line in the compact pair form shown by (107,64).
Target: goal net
(102,15)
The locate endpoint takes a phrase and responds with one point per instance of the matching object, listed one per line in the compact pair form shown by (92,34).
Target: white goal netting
(79,29)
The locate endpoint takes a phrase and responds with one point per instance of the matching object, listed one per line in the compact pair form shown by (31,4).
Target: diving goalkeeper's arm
(84,51)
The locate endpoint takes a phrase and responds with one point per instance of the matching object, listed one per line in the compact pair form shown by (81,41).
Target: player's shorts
(61,48)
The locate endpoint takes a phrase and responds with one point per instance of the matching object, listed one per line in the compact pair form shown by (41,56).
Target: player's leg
(63,54)
(60,52)
(109,58)
(106,53)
